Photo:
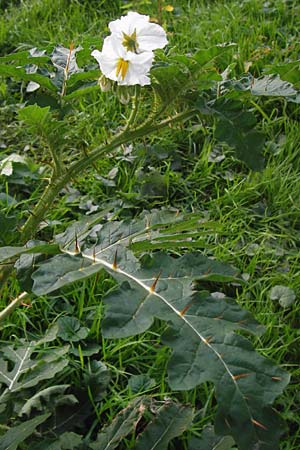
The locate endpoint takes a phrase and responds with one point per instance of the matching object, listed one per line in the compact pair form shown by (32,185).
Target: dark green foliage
(209,440)
(124,423)
(16,435)
(171,421)
(251,220)
(192,80)
(201,332)
(236,127)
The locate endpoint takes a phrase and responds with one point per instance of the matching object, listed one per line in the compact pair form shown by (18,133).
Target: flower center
(122,67)
(130,42)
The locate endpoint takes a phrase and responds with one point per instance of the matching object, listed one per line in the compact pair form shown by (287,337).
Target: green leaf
(168,81)
(21,74)
(272,85)
(116,236)
(140,383)
(97,377)
(236,127)
(70,329)
(210,441)
(201,325)
(17,435)
(124,423)
(35,116)
(288,72)
(208,56)
(8,224)
(82,91)
(70,440)
(37,401)
(172,420)
(25,57)
(234,367)
(66,441)
(267,85)
(7,253)
(27,372)
(284,294)
(81,229)
(65,269)
(82,76)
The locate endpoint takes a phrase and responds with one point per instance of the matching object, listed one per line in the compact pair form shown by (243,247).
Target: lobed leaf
(210,441)
(288,72)
(124,423)
(70,329)
(21,74)
(27,372)
(201,332)
(37,401)
(168,81)
(236,127)
(35,116)
(272,85)
(172,420)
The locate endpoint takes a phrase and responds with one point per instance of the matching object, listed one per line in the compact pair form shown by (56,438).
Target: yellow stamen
(130,42)
(122,67)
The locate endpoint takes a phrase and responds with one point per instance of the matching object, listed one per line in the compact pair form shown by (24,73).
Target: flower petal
(127,24)
(126,67)
(149,36)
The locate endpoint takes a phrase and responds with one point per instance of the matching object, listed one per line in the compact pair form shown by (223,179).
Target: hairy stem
(56,184)
(134,108)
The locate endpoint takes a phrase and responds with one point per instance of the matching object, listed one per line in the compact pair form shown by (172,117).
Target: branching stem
(57,183)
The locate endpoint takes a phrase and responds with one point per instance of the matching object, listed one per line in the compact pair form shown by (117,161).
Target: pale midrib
(20,369)
(163,434)
(112,268)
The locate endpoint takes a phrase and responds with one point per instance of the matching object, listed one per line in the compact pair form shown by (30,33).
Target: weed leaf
(210,441)
(284,294)
(7,253)
(236,127)
(27,372)
(124,423)
(16,435)
(172,420)
(21,74)
(38,400)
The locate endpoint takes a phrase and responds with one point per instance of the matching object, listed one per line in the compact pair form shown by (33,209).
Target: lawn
(204,203)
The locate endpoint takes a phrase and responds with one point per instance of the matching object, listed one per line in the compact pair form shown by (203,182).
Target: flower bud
(104,83)
(123,94)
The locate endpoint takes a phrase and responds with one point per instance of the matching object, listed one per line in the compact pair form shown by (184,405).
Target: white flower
(125,67)
(137,34)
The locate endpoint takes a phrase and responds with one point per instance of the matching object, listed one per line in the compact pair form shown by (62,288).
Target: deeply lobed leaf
(205,347)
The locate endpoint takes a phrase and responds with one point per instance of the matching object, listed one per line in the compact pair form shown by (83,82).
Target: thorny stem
(135,107)
(57,183)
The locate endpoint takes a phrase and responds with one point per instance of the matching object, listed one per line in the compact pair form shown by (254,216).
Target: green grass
(256,215)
